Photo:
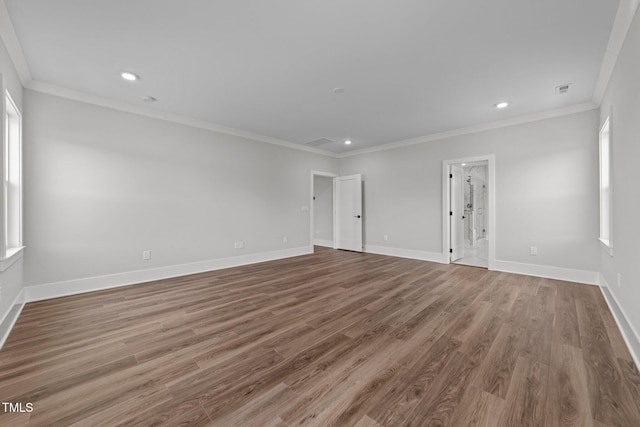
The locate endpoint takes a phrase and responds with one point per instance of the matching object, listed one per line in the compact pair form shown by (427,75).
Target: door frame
(458,211)
(446,203)
(312,233)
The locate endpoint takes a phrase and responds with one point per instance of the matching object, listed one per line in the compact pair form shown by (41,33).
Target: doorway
(322,221)
(469,214)
(336,219)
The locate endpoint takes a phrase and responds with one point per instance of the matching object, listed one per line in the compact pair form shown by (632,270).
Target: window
(605,187)
(12,180)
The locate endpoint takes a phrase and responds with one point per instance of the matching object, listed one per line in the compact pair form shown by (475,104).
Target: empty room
(346,213)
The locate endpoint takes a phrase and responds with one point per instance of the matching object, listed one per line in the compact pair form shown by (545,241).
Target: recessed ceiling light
(129,76)
(338,90)
(464,164)
(347,142)
(501,105)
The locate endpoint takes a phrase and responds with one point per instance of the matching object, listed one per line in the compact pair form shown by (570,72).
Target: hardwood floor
(333,338)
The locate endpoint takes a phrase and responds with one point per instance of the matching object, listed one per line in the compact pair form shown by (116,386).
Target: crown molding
(8,35)
(51,89)
(624,17)
(578,108)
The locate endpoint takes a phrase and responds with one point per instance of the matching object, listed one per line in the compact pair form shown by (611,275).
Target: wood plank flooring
(334,338)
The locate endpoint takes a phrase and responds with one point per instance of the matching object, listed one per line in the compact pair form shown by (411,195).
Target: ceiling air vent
(318,142)
(562,89)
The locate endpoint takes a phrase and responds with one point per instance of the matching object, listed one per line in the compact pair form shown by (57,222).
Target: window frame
(605,157)
(11,243)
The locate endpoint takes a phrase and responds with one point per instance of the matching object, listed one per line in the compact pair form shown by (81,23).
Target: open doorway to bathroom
(476,200)
(469,218)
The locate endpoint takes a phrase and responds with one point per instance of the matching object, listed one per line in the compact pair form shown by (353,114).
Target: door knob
(357,216)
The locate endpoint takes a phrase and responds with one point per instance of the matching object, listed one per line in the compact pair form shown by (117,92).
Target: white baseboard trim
(323,242)
(9,319)
(404,253)
(546,271)
(629,333)
(557,273)
(78,286)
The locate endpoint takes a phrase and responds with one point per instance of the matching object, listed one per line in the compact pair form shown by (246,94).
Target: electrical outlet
(386,237)
(533,250)
(284,239)
(146,255)
(238,245)
(619,280)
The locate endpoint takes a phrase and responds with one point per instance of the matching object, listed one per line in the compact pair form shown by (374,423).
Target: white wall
(103,185)
(622,100)
(10,75)
(11,279)
(546,191)
(323,209)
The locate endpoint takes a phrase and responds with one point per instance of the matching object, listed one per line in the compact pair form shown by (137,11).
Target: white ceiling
(408,67)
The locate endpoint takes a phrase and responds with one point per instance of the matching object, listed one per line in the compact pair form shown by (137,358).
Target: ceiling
(408,68)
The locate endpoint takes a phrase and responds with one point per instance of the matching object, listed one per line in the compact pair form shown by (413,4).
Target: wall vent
(562,89)
(318,142)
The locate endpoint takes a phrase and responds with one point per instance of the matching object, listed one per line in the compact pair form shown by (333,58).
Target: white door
(456,214)
(348,191)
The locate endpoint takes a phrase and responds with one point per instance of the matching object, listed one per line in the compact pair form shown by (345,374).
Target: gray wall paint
(546,190)
(102,185)
(10,75)
(11,279)
(621,99)
(323,207)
